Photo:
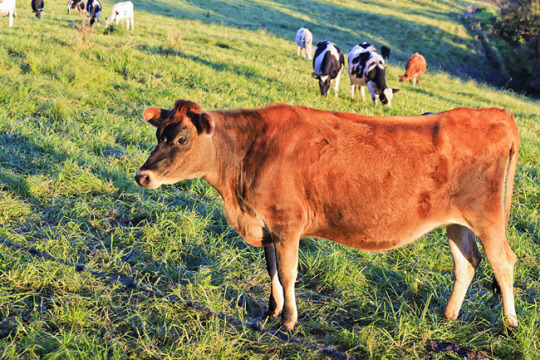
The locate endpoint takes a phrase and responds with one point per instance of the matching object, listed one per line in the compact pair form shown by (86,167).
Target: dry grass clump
(174,39)
(85,32)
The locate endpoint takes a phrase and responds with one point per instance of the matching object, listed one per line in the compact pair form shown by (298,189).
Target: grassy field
(71,139)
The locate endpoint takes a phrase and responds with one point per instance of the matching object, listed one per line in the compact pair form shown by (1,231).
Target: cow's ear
(394,90)
(154,115)
(203,122)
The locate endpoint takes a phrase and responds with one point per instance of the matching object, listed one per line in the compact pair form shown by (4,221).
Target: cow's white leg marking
(363,93)
(466,259)
(501,259)
(276,293)
(336,84)
(373,95)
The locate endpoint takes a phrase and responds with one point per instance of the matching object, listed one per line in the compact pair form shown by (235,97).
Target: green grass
(71,139)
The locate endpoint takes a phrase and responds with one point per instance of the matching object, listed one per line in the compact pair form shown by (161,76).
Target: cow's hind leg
(276,293)
(466,259)
(501,259)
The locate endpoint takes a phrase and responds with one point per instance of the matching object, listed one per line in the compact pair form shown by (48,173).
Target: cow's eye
(182,141)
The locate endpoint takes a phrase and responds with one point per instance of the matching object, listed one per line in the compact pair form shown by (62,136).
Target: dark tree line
(519,26)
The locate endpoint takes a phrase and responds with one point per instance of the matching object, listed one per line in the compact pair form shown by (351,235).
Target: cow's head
(386,96)
(109,21)
(184,148)
(403,78)
(324,83)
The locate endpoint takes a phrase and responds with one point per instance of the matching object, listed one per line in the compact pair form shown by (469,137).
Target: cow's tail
(511,172)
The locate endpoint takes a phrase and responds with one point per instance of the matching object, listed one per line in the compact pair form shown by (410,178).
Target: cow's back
(416,65)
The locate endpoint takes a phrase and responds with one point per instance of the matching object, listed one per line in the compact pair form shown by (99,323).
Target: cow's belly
(361,81)
(379,221)
(384,237)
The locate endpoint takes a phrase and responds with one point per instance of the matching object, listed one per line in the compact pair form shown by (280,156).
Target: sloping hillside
(71,139)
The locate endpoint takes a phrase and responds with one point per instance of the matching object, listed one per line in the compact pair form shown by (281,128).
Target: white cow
(7,7)
(120,12)
(304,39)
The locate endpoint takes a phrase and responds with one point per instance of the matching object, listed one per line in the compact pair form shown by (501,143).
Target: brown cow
(416,66)
(286,172)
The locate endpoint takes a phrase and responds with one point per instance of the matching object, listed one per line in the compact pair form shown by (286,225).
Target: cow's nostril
(142,178)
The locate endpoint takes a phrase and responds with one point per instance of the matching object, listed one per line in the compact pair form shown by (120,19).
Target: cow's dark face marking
(324,84)
(386,95)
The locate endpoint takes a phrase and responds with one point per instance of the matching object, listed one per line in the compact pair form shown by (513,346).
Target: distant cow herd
(120,12)
(366,67)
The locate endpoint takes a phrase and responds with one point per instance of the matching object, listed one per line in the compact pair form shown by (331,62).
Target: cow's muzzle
(146,178)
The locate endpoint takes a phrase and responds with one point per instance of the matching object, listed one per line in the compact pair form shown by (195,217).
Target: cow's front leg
(373,94)
(287,264)
(275,304)
(336,83)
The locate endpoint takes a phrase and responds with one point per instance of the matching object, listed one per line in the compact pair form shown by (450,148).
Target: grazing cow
(385,52)
(7,7)
(77,5)
(94,10)
(304,39)
(328,64)
(373,183)
(37,7)
(120,12)
(366,68)
(416,66)
(363,47)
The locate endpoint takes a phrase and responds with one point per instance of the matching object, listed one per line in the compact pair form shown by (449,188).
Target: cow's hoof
(272,313)
(510,324)
(287,327)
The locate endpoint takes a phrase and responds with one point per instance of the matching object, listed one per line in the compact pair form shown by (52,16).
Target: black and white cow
(94,9)
(366,68)
(304,39)
(37,7)
(328,64)
(77,5)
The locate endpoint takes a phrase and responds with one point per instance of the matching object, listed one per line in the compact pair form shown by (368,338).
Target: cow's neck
(233,139)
